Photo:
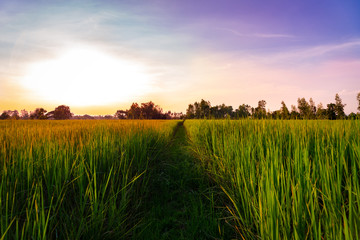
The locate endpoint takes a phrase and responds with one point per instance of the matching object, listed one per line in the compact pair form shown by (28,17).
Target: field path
(180,206)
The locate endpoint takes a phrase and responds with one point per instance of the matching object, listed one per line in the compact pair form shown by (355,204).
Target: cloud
(349,92)
(258,35)
(313,52)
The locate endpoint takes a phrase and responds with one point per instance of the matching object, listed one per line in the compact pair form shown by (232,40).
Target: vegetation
(146,111)
(253,178)
(76,179)
(202,110)
(183,203)
(284,179)
(304,110)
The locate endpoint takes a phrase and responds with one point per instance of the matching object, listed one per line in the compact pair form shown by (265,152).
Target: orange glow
(85,77)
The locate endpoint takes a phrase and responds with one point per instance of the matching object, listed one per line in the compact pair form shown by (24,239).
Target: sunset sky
(100,56)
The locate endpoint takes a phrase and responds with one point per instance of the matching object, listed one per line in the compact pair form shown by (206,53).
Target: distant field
(90,179)
(285,179)
(75,179)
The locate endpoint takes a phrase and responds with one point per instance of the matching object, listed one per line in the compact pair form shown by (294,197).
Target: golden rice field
(75,179)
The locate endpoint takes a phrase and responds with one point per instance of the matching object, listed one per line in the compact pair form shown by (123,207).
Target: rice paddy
(208,179)
(75,179)
(285,179)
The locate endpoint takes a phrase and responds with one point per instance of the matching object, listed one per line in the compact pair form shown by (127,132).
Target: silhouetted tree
(121,114)
(312,114)
(134,112)
(321,112)
(15,115)
(197,110)
(24,114)
(284,111)
(39,113)
(277,115)
(304,108)
(260,111)
(5,115)
(204,109)
(358,98)
(352,116)
(214,112)
(201,109)
(243,111)
(190,111)
(339,107)
(331,111)
(151,111)
(294,112)
(62,112)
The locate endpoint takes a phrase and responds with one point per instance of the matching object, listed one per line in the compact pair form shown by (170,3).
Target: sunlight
(85,77)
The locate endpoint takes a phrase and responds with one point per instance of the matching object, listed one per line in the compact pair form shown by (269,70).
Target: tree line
(148,110)
(303,110)
(60,113)
(201,110)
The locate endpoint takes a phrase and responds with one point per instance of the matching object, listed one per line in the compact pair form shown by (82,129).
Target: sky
(101,56)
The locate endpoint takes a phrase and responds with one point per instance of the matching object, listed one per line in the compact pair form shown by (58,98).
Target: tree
(277,115)
(190,111)
(24,114)
(62,112)
(284,111)
(197,110)
(312,109)
(148,110)
(321,112)
(304,108)
(224,111)
(204,109)
(294,112)
(260,111)
(339,107)
(243,111)
(358,98)
(352,116)
(134,112)
(39,113)
(5,115)
(151,111)
(201,109)
(331,111)
(121,114)
(214,112)
(14,114)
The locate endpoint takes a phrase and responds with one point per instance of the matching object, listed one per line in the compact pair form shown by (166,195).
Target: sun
(85,77)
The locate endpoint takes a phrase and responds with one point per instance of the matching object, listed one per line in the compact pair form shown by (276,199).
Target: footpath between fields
(181,205)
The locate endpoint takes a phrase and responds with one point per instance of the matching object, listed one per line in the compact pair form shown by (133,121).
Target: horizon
(101,56)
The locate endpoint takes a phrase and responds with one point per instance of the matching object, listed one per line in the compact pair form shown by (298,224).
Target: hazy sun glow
(84,77)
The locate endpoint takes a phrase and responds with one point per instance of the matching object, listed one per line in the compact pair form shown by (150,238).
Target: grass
(182,204)
(204,179)
(285,179)
(75,179)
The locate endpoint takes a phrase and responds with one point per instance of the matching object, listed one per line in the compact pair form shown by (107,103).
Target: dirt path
(181,205)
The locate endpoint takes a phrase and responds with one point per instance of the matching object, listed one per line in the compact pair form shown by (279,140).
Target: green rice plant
(75,179)
(284,179)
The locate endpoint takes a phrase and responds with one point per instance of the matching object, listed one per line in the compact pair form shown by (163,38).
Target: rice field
(97,179)
(75,179)
(284,179)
